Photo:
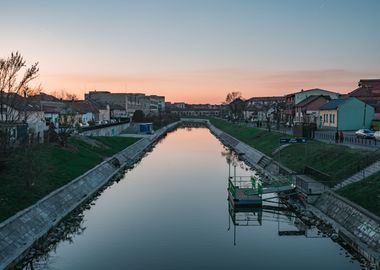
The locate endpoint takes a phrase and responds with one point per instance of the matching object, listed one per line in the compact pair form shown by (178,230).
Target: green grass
(262,140)
(337,161)
(365,193)
(48,167)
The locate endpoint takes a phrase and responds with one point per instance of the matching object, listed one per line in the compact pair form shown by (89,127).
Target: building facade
(130,101)
(291,100)
(307,111)
(346,114)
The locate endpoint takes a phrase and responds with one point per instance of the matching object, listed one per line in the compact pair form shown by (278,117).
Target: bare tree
(267,110)
(236,104)
(63,95)
(66,127)
(14,90)
(279,107)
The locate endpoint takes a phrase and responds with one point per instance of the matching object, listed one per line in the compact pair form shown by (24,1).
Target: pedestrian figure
(341,137)
(336,137)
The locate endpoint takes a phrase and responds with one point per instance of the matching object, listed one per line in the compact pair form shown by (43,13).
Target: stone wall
(250,155)
(358,226)
(111,130)
(18,233)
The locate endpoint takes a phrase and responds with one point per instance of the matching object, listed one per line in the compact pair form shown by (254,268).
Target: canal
(171,212)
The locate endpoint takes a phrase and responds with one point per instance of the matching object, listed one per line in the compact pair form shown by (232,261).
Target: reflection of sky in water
(171,212)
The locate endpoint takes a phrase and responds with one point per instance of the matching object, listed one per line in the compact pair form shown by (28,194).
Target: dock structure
(247,191)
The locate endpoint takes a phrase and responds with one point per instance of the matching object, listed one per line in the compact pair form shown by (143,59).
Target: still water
(171,212)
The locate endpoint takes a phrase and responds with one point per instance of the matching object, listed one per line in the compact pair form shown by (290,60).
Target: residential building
(368,91)
(291,100)
(307,111)
(259,108)
(51,107)
(51,112)
(130,101)
(15,112)
(346,114)
(84,110)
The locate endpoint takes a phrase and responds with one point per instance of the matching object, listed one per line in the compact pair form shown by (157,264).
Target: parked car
(376,135)
(364,134)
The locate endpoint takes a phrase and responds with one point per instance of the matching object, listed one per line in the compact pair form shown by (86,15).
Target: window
(333,118)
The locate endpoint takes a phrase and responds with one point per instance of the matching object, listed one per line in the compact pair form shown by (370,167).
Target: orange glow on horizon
(208,87)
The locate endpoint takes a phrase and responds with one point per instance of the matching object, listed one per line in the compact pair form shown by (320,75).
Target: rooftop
(333,104)
(314,89)
(310,99)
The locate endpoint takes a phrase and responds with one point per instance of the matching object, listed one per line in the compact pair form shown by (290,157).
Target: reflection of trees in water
(233,159)
(39,256)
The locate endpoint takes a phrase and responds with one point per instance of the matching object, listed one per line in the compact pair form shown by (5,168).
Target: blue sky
(195,50)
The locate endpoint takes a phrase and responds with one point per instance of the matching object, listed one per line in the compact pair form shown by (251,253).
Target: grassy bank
(262,140)
(337,161)
(30,174)
(365,193)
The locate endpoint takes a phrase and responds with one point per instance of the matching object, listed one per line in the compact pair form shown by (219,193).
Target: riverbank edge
(19,232)
(327,203)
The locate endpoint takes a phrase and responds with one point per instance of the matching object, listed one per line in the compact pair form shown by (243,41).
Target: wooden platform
(244,197)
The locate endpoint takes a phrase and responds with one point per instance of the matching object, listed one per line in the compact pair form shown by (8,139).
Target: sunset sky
(195,50)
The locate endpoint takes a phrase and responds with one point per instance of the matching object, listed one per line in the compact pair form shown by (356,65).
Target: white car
(376,135)
(364,133)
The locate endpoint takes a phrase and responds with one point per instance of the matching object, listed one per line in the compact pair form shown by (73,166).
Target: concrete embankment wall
(18,233)
(106,131)
(253,157)
(360,228)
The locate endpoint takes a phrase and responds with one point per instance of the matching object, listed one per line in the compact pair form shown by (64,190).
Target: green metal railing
(252,185)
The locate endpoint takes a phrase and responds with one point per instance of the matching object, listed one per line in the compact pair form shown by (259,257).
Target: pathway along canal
(171,212)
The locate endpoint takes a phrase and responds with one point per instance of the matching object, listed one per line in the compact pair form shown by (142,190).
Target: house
(346,114)
(50,106)
(15,112)
(368,91)
(260,108)
(51,112)
(84,110)
(291,100)
(307,111)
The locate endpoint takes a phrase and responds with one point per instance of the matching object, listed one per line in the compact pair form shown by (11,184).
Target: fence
(348,139)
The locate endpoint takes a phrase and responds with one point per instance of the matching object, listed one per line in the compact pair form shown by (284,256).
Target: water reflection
(288,224)
(169,212)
